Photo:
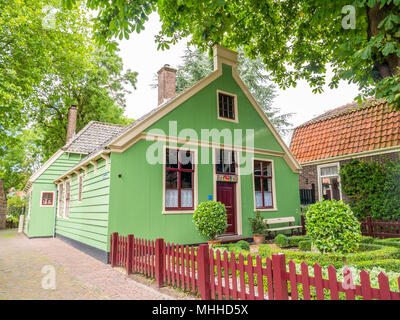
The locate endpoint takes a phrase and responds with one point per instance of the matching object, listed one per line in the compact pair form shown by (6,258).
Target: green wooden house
(212,141)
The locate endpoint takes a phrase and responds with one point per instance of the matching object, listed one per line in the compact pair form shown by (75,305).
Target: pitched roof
(346,130)
(93,136)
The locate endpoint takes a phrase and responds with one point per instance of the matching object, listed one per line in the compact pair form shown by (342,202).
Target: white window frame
(58,199)
(235,107)
(332,164)
(41,199)
(195,187)
(65,197)
(275,207)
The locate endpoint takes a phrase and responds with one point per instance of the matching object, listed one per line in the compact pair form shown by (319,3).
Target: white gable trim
(43,168)
(221,56)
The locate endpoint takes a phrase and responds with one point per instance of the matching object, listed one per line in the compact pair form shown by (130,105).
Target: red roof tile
(348,129)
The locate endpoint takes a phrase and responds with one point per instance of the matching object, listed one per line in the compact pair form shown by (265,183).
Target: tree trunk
(390,65)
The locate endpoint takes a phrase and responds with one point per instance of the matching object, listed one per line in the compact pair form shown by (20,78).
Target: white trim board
(221,56)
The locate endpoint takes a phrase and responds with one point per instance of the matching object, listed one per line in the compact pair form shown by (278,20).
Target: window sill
(177,212)
(227,119)
(265,209)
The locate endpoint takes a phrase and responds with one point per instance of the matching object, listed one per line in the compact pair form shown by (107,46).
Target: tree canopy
(296,40)
(48,61)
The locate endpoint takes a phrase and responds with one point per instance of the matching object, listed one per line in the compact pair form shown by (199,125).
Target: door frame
(238,195)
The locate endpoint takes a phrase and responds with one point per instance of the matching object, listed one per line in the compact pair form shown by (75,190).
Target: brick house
(370,131)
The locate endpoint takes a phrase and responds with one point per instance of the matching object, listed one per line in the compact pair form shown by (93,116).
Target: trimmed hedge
(387,264)
(387,242)
(369,252)
(281,241)
(242,244)
(305,245)
(294,240)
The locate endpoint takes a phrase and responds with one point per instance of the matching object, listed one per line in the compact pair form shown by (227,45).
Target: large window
(329,182)
(179,174)
(60,199)
(263,184)
(47,199)
(67,198)
(226,162)
(226,106)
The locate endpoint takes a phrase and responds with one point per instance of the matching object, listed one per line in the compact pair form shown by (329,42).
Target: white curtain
(267,199)
(259,202)
(171,198)
(186,198)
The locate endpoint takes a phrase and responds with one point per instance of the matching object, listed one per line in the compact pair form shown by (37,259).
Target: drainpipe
(55,211)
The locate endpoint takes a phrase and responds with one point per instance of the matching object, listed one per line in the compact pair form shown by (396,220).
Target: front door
(226,193)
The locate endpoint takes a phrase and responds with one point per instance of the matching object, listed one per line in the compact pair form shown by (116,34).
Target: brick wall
(3,205)
(309,174)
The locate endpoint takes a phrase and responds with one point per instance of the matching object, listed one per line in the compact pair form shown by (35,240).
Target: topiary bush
(281,241)
(210,219)
(333,227)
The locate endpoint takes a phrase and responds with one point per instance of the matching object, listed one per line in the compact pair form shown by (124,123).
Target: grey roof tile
(93,137)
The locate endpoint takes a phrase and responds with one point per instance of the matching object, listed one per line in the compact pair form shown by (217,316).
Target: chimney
(71,125)
(226,56)
(166,83)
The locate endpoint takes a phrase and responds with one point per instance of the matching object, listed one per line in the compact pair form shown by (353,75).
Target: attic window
(47,199)
(227,107)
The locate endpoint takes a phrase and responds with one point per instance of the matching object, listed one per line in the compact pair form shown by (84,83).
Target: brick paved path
(78,276)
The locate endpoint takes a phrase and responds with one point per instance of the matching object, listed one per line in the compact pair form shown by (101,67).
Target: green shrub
(210,219)
(388,242)
(366,239)
(242,244)
(264,250)
(305,245)
(281,241)
(294,240)
(387,264)
(333,227)
(373,188)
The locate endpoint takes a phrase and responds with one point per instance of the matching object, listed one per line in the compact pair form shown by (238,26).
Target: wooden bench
(288,220)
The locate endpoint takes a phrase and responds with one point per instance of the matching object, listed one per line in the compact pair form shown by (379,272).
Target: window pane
(226,106)
(186,159)
(259,202)
(186,198)
(329,171)
(172,158)
(257,168)
(267,199)
(267,169)
(171,179)
(186,180)
(171,198)
(267,184)
(257,184)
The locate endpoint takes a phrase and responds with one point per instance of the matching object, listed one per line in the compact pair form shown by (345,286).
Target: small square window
(226,106)
(47,198)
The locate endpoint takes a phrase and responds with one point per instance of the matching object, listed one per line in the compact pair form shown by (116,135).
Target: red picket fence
(227,276)
(380,228)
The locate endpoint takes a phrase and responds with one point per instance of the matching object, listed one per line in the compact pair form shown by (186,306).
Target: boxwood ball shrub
(333,227)
(281,241)
(210,219)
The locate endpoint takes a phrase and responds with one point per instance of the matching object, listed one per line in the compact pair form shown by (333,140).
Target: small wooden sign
(226,178)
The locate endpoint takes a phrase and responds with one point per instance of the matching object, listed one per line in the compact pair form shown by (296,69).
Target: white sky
(140,54)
